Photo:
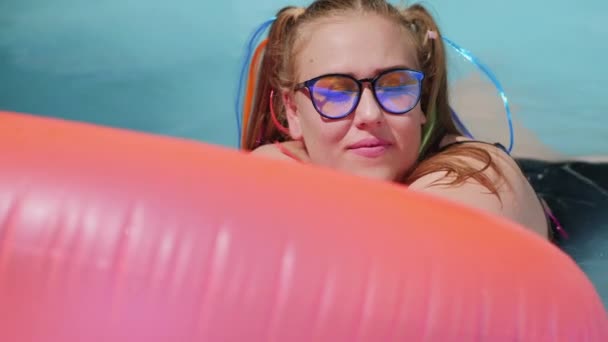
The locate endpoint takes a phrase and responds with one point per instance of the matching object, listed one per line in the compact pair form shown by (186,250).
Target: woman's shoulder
(454,150)
(515,198)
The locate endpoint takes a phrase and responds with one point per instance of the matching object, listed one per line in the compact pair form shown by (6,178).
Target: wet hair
(278,70)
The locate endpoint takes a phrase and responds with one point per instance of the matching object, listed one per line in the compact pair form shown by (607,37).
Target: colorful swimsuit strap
(286,151)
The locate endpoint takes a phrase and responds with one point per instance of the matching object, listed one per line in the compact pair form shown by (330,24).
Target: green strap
(427,132)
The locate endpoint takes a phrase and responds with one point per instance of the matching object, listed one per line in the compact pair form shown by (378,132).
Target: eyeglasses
(335,96)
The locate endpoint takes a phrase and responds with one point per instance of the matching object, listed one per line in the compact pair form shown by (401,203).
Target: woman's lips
(370,147)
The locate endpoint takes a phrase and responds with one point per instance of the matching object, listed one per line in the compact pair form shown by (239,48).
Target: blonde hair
(278,71)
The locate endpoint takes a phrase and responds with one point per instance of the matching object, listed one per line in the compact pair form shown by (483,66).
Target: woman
(361,86)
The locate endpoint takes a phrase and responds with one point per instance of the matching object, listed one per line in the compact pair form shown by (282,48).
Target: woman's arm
(516,198)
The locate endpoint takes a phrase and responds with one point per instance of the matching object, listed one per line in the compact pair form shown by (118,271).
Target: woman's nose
(368,111)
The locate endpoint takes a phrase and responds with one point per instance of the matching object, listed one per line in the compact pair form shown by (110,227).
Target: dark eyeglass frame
(309,85)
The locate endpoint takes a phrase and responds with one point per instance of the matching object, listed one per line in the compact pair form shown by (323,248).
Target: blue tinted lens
(399,91)
(334,96)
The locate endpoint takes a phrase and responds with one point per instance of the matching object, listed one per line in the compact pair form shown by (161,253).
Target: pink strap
(273,116)
(558,225)
(286,151)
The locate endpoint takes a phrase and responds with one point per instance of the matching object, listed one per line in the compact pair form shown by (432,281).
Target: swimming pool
(171,68)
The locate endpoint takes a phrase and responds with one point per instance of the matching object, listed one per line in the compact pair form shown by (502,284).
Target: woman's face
(370,141)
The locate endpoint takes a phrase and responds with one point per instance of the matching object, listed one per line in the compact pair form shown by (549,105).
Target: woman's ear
(293,116)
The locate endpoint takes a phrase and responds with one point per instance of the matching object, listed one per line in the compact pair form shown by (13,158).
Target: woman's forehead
(359,45)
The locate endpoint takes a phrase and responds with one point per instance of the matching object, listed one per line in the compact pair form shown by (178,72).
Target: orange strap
(248,103)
